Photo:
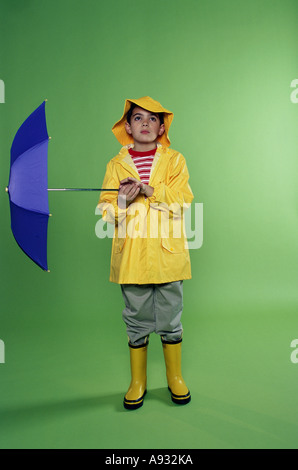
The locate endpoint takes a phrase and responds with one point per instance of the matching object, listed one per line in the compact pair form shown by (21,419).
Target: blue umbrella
(28,187)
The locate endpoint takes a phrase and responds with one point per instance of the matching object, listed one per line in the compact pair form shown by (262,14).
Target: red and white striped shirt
(143,162)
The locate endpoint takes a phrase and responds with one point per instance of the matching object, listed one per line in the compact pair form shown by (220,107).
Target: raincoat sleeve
(175,193)
(108,201)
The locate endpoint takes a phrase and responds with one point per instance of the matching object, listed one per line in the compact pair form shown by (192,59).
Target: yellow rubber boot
(179,391)
(134,397)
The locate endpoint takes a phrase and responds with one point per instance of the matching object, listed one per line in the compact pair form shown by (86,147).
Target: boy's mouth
(144,132)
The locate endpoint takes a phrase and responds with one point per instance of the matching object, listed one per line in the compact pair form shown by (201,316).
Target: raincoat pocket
(173,245)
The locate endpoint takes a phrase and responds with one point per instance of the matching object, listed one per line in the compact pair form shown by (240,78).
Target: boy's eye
(153,118)
(137,118)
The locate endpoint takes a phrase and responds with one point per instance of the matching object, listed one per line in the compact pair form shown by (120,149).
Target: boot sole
(134,404)
(180,399)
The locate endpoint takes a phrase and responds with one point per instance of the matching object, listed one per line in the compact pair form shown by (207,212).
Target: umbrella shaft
(81,189)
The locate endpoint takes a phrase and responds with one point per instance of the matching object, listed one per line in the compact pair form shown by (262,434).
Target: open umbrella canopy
(27,188)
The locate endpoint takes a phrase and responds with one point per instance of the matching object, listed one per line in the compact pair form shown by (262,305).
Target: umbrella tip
(50,138)
(6,189)
(46,99)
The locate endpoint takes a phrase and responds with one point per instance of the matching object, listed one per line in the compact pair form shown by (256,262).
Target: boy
(149,255)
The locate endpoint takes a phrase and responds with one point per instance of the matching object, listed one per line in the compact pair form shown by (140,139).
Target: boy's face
(144,127)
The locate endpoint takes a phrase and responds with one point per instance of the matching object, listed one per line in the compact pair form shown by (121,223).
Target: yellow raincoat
(149,244)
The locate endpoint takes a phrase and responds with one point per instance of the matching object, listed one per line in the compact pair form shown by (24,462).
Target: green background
(224,68)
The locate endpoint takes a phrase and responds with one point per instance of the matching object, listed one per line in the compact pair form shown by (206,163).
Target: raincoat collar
(124,158)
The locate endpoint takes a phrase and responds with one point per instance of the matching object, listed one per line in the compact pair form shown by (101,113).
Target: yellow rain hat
(148,104)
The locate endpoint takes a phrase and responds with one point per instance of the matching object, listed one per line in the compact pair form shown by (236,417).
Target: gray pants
(153,308)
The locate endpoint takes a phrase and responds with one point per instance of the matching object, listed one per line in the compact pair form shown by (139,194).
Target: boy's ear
(161,129)
(127,127)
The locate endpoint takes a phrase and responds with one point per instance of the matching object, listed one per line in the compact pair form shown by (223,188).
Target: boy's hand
(127,193)
(144,188)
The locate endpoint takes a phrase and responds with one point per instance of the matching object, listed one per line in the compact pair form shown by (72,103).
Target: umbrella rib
(31,210)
